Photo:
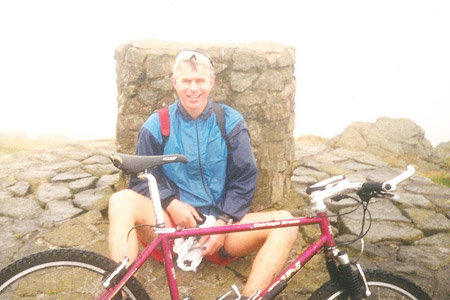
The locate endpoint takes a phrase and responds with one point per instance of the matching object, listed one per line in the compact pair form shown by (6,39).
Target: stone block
(52,191)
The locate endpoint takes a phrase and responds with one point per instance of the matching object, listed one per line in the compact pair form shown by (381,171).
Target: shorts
(221,257)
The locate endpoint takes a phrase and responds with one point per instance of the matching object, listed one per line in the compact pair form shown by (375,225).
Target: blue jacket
(216,179)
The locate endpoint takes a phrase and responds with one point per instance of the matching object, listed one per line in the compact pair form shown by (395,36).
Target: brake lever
(389,195)
(339,198)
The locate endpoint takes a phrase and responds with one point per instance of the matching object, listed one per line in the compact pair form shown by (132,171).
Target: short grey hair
(194,58)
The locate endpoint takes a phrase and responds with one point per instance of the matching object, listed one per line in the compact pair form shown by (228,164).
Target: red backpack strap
(164,121)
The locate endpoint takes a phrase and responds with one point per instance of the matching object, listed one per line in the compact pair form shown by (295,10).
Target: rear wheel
(61,274)
(382,285)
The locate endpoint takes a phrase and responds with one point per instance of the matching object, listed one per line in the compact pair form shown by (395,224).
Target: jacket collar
(204,115)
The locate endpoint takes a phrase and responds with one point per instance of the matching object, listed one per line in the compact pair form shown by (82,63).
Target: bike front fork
(349,276)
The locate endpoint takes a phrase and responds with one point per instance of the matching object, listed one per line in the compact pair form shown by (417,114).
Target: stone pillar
(257,79)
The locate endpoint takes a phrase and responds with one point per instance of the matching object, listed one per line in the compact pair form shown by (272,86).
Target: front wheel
(61,274)
(382,285)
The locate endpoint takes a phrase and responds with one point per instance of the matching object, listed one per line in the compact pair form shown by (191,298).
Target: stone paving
(409,236)
(58,197)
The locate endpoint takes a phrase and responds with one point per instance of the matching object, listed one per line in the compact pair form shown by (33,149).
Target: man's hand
(183,214)
(215,242)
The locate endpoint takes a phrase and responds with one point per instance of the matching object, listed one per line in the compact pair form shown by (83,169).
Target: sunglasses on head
(192,55)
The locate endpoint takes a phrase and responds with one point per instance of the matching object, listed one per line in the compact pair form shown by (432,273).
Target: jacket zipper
(200,165)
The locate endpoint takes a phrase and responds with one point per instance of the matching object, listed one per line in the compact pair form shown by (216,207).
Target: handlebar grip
(391,185)
(370,187)
(322,185)
(309,190)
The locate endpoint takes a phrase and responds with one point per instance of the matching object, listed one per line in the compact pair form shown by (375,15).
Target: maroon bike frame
(326,239)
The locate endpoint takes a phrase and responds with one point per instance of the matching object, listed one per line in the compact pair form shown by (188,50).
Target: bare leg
(126,210)
(274,246)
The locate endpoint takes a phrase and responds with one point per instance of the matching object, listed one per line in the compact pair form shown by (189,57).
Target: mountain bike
(80,274)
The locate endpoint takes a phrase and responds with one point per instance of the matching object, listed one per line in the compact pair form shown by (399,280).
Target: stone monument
(256,78)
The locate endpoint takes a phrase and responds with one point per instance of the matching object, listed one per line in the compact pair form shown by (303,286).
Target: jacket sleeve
(242,174)
(147,144)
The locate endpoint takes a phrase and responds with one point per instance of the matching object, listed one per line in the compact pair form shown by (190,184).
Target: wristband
(226,218)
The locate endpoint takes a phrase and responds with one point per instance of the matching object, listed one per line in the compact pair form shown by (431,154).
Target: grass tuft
(444,180)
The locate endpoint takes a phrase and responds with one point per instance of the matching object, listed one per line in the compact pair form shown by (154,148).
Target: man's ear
(174,81)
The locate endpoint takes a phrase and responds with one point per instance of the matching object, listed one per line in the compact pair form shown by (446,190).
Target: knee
(290,233)
(118,202)
(284,215)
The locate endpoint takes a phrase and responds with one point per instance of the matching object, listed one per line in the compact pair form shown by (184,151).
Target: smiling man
(219,180)
(193,82)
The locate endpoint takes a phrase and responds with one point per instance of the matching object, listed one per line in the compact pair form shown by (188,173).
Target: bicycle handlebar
(339,185)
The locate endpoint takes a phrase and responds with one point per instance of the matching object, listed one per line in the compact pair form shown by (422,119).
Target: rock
(303,180)
(9,246)
(442,276)
(352,137)
(71,175)
(384,231)
(344,203)
(57,212)
(240,81)
(91,217)
(356,166)
(24,229)
(20,208)
(83,184)
(380,174)
(441,154)
(381,209)
(108,180)
(329,158)
(245,59)
(308,148)
(421,255)
(63,166)
(96,159)
(332,169)
(6,182)
(52,191)
(271,80)
(387,137)
(20,189)
(99,169)
(365,159)
(75,155)
(437,190)
(69,234)
(302,171)
(5,195)
(5,221)
(441,240)
(370,249)
(93,199)
(428,221)
(35,176)
(412,200)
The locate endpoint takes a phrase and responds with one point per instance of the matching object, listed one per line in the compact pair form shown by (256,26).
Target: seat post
(154,195)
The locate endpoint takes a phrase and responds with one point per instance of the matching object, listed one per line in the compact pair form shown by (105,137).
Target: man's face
(193,85)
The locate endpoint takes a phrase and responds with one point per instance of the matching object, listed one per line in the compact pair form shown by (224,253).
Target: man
(219,179)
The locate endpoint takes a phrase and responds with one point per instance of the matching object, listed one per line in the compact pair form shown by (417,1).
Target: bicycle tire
(62,274)
(382,284)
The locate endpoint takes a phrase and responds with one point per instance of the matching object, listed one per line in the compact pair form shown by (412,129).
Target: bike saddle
(134,164)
